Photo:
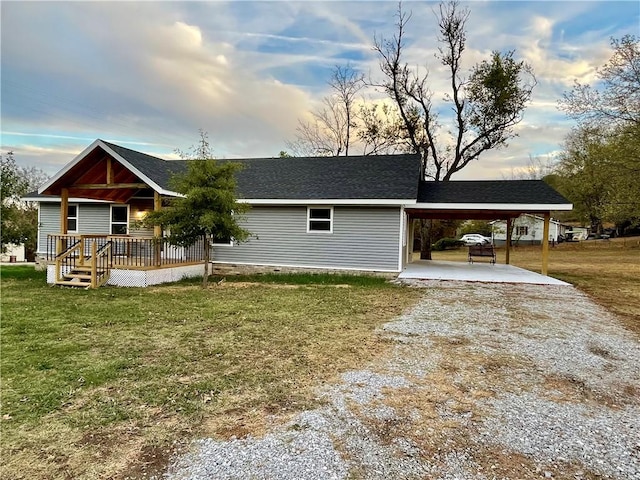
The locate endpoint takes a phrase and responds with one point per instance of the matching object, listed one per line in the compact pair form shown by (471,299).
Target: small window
(522,230)
(320,219)
(219,240)
(72,218)
(119,219)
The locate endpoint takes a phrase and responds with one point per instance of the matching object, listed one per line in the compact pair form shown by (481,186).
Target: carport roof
(514,192)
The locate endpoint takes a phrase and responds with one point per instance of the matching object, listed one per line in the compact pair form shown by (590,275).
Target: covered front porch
(89,260)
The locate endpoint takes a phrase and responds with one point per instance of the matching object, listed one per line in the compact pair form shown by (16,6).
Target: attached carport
(486,200)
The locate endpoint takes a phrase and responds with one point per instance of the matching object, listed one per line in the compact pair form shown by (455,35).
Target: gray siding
(92,219)
(364,238)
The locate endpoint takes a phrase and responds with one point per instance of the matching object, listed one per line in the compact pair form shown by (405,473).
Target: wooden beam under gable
(109,170)
(108,186)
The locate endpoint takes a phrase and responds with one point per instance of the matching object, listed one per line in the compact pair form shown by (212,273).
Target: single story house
(527,230)
(13,253)
(340,213)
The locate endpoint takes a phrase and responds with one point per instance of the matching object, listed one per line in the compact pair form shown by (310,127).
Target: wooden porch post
(508,241)
(157,205)
(157,229)
(64,210)
(61,244)
(545,243)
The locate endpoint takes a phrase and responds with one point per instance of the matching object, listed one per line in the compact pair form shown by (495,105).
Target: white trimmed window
(72,218)
(522,230)
(219,241)
(320,219)
(119,219)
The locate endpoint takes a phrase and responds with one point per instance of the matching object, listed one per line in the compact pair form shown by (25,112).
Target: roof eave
(327,201)
(524,207)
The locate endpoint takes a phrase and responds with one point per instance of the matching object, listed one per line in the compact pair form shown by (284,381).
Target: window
(72,218)
(219,240)
(320,219)
(522,230)
(119,219)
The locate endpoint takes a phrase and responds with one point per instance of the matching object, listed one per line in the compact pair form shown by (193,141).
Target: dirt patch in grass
(111,383)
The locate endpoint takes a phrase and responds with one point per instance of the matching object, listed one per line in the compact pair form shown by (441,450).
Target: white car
(475,239)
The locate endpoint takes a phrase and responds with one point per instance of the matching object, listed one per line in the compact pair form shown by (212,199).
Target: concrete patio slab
(475,272)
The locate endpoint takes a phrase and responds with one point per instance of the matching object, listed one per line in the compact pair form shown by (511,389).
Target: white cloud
(158,71)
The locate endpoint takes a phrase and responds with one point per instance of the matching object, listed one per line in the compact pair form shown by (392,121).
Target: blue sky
(148,75)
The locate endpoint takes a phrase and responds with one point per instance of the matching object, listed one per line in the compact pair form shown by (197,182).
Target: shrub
(447,244)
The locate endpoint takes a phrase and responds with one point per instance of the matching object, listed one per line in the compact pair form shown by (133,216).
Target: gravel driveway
(485,381)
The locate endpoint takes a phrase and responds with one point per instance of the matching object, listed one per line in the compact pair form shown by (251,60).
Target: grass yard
(608,271)
(109,383)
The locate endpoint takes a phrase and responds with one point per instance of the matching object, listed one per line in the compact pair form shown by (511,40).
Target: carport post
(545,243)
(508,242)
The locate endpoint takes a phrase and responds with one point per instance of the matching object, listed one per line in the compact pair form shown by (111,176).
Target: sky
(150,75)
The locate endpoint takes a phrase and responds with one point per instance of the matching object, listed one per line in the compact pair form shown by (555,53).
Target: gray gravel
(551,380)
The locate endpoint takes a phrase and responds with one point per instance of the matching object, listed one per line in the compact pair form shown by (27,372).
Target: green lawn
(101,383)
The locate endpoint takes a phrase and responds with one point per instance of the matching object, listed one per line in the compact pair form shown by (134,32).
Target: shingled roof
(392,177)
(156,169)
(370,179)
(340,178)
(517,192)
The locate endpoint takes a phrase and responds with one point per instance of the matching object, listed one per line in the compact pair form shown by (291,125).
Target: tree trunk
(207,247)
(425,239)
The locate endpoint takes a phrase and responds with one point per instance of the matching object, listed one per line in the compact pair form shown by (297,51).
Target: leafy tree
(623,165)
(487,102)
(208,208)
(19,219)
(598,172)
(615,97)
(482,227)
(600,164)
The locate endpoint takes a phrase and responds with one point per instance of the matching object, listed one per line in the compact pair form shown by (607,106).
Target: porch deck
(88,261)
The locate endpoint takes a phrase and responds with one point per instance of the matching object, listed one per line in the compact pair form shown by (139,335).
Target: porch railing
(125,251)
(100,264)
(68,256)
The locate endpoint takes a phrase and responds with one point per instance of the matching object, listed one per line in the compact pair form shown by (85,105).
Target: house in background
(528,229)
(14,253)
(330,213)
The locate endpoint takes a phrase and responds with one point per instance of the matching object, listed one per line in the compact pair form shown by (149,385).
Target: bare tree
(616,98)
(536,169)
(487,103)
(346,83)
(330,131)
(380,129)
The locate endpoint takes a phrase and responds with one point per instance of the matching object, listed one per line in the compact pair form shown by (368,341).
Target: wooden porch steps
(79,277)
